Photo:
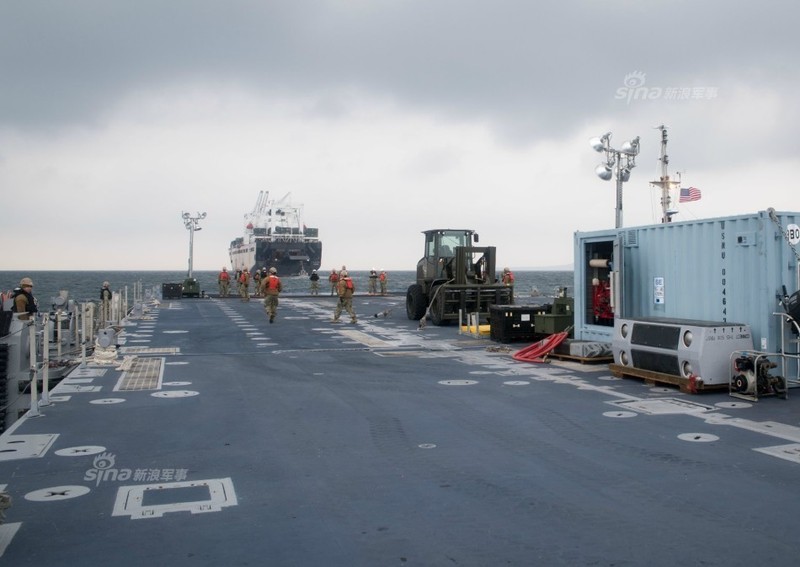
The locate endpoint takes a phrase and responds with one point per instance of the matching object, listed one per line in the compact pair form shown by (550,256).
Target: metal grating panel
(149,350)
(144,374)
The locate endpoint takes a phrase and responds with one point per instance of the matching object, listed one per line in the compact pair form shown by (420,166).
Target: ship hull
(289,258)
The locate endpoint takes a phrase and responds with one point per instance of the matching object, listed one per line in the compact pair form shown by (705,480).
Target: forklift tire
(415,302)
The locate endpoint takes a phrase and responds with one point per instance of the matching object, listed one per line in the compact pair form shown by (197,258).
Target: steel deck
(311,443)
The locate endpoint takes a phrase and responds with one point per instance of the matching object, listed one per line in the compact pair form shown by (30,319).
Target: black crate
(513,322)
(5,322)
(171,291)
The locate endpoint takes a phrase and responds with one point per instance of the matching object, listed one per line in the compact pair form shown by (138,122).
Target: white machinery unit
(680,347)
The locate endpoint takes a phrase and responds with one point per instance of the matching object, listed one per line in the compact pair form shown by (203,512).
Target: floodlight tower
(190,285)
(618,163)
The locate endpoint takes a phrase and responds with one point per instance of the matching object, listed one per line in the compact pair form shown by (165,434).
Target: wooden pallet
(658,378)
(582,359)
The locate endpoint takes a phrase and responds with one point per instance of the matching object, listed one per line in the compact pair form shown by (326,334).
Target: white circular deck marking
(427,445)
(516,383)
(176,394)
(457,382)
(108,401)
(481,372)
(80,451)
(56,493)
(620,414)
(698,437)
(177,383)
(733,405)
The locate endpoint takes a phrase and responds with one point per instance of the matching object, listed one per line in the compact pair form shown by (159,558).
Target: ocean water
(86,285)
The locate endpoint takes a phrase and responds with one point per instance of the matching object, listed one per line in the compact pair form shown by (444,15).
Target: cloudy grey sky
(383,117)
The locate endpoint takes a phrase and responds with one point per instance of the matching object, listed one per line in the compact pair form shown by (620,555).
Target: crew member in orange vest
(384,281)
(334,280)
(224,280)
(244,285)
(271,287)
(346,289)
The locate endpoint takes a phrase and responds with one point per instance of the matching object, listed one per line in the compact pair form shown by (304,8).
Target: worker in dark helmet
(24,302)
(314,279)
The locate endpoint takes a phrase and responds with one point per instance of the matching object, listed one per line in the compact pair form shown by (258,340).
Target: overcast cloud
(385,118)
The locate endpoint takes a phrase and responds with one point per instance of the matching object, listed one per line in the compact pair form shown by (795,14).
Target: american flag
(690,194)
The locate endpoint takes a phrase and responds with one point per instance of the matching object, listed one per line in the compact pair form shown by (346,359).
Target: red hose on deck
(538,351)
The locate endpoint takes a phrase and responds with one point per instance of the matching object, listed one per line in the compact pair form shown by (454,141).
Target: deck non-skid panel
(145,373)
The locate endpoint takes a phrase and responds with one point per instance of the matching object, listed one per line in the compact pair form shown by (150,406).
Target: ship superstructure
(276,236)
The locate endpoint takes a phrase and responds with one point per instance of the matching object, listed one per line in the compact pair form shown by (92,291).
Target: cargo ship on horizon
(276,236)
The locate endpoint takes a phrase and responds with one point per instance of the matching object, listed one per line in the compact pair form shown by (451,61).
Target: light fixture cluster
(621,161)
(192,223)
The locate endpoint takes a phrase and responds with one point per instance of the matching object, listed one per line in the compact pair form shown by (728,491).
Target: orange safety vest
(273,282)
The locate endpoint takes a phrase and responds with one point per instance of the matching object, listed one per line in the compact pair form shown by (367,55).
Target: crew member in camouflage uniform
(372,288)
(271,287)
(244,285)
(346,288)
(314,279)
(25,305)
(224,280)
(334,281)
(384,281)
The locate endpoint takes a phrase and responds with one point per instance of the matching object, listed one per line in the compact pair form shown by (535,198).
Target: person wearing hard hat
(346,289)
(333,279)
(272,287)
(24,302)
(224,281)
(372,288)
(383,280)
(244,285)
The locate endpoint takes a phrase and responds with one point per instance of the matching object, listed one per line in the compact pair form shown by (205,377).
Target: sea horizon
(85,285)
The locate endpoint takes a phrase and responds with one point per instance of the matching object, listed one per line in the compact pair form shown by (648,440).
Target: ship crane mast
(665,183)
